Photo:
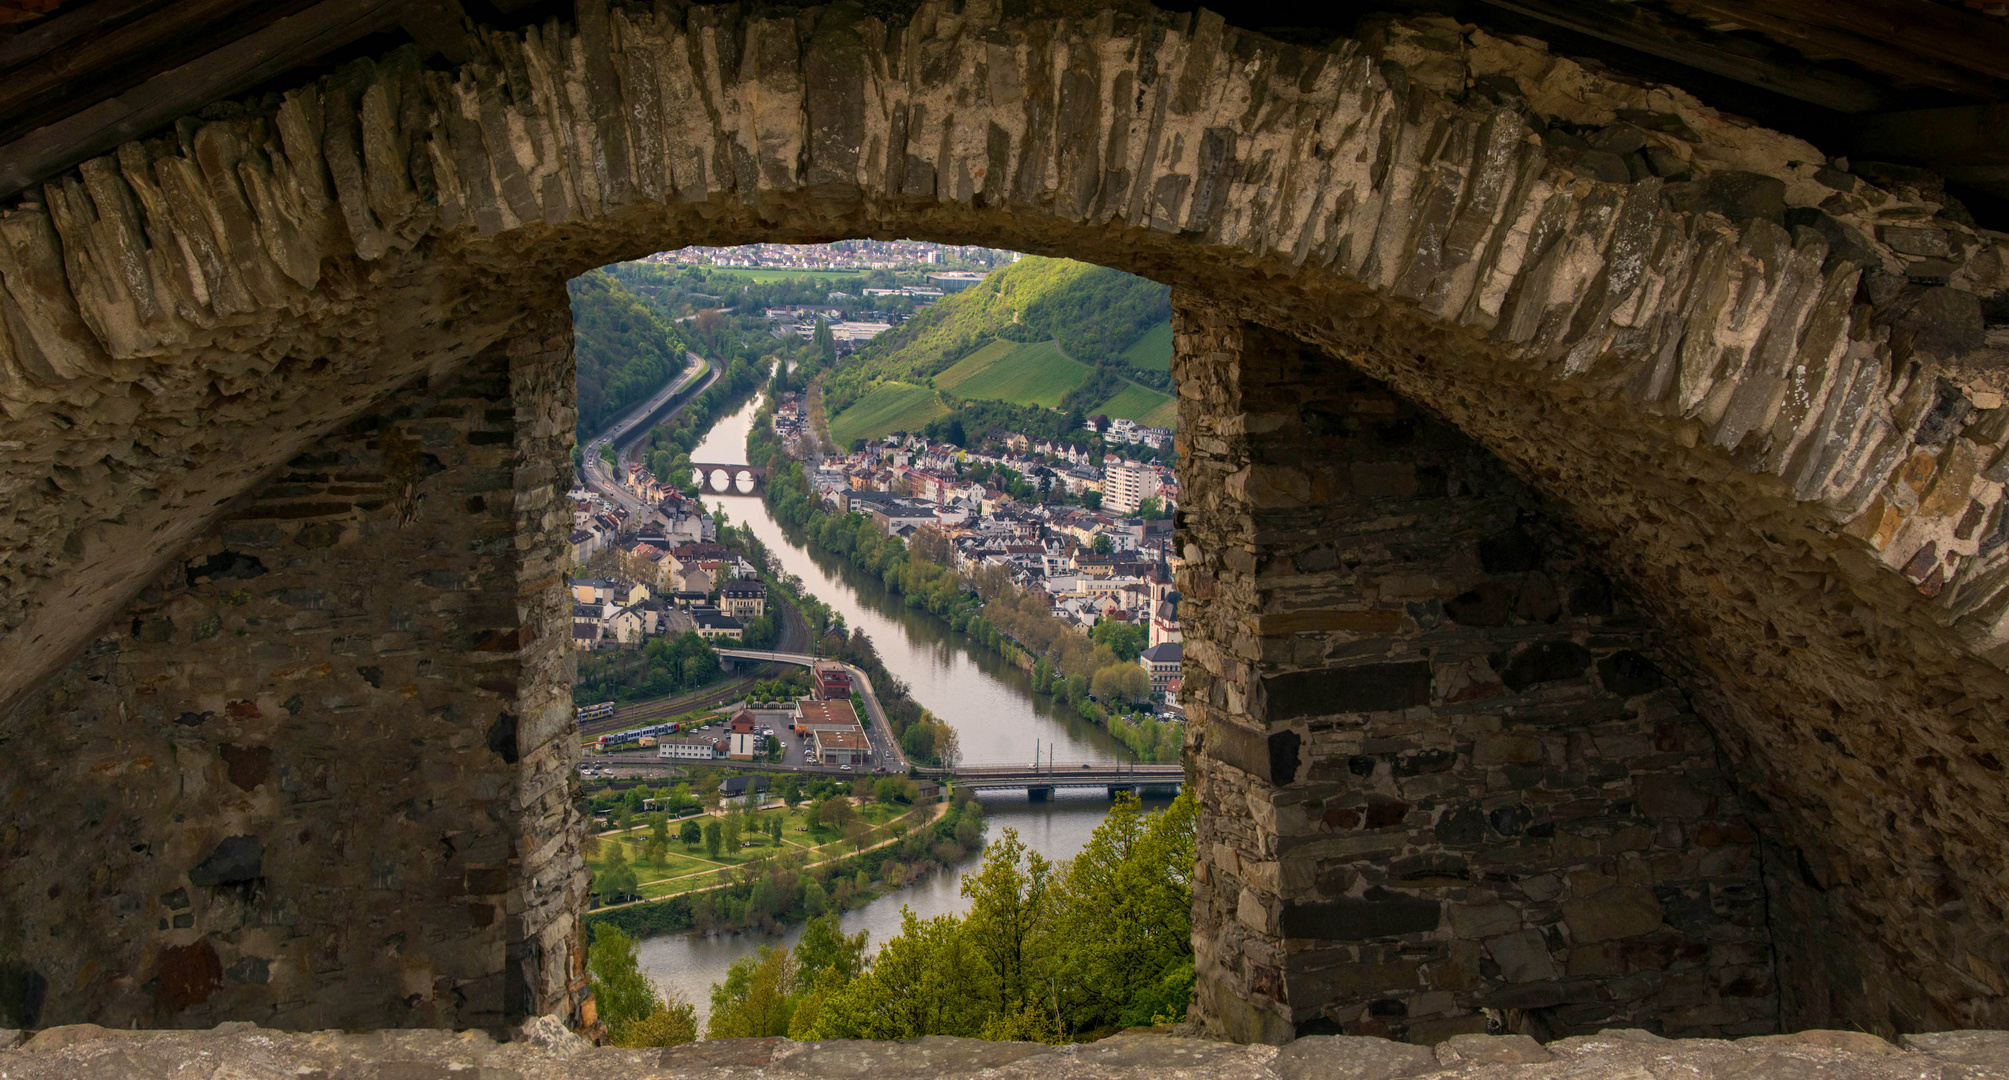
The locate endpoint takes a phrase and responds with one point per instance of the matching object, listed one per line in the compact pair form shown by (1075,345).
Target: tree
(1103,545)
(859,833)
(621,992)
(691,834)
(753,1001)
(791,791)
(774,829)
(1122,682)
(1128,901)
(825,947)
(837,812)
(1125,639)
(1008,915)
(674,1024)
(926,980)
(1148,508)
(617,883)
(919,742)
(714,839)
(735,828)
(1091,499)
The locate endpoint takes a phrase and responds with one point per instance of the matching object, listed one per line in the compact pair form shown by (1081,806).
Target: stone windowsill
(544,1050)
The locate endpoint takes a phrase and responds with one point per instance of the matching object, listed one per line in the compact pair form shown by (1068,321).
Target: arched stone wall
(1746,375)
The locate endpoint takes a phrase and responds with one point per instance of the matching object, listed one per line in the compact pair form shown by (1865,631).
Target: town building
(833,681)
(676,749)
(1161,662)
(1126,484)
(715,625)
(743,790)
(839,746)
(812,715)
(744,737)
(744,599)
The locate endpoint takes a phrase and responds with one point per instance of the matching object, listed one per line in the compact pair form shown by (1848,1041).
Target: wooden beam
(126,44)
(235,68)
(1916,41)
(1638,29)
(61,29)
(1966,145)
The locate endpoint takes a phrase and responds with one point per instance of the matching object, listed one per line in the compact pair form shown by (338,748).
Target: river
(996,716)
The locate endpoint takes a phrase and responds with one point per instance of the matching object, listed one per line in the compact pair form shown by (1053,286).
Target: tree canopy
(1046,952)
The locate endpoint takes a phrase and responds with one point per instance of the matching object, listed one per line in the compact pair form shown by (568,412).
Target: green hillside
(893,406)
(1040,332)
(1153,351)
(1143,405)
(1027,374)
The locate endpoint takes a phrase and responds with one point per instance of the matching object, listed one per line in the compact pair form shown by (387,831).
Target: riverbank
(1070,662)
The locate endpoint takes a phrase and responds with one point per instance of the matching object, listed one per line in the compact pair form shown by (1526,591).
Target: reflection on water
(687,966)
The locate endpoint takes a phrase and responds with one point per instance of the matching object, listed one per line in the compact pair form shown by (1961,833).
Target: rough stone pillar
(318,776)
(1440,771)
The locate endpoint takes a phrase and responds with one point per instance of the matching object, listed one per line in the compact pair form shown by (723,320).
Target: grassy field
(688,867)
(893,406)
(1034,374)
(975,363)
(1141,404)
(1153,351)
(831,276)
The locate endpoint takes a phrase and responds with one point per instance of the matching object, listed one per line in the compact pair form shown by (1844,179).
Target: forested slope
(625,351)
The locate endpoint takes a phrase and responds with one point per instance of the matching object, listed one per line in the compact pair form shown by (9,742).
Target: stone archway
(1769,432)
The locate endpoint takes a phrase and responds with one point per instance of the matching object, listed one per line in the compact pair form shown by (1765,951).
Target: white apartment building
(1125,484)
(687,749)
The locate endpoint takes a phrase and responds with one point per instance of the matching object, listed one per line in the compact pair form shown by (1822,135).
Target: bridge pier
(1124,789)
(1039,793)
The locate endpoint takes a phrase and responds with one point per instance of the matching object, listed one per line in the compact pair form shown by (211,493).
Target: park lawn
(1153,351)
(1137,403)
(685,870)
(1035,374)
(893,406)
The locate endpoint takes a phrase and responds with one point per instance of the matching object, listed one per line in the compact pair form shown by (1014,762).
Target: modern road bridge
(1043,780)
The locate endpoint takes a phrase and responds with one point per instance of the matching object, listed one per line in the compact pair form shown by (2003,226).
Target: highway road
(885,749)
(597,473)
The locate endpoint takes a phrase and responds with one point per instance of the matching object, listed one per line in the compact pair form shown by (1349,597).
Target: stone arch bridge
(1595,575)
(743,479)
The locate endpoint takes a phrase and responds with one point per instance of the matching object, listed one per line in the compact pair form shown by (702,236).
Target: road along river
(998,720)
